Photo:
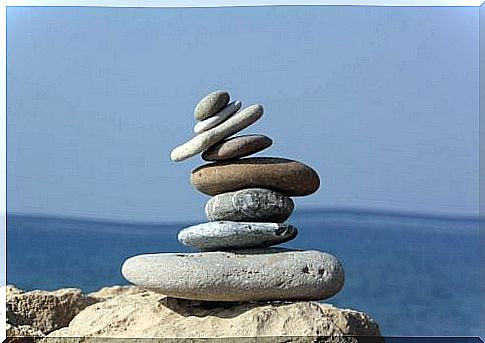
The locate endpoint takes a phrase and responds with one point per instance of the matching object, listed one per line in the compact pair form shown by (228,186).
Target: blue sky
(381,101)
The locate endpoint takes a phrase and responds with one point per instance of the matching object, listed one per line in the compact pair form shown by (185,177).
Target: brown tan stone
(237,147)
(289,177)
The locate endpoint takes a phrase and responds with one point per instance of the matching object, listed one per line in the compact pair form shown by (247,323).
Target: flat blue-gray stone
(227,235)
(243,275)
(251,205)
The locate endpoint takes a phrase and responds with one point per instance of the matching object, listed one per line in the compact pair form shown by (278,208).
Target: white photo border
(143,3)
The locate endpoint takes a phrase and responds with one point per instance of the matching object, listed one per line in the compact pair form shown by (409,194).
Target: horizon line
(310,210)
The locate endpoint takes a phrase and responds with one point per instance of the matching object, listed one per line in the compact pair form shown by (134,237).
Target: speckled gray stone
(243,275)
(227,128)
(217,118)
(211,104)
(226,235)
(250,204)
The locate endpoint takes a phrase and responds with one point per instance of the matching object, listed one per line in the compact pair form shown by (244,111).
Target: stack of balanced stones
(251,200)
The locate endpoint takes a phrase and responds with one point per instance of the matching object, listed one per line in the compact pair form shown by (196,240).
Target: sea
(415,275)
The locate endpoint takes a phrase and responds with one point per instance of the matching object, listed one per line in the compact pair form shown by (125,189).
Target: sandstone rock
(289,177)
(250,204)
(237,147)
(206,139)
(45,311)
(22,333)
(242,275)
(211,104)
(217,118)
(226,235)
(114,291)
(152,315)
(11,290)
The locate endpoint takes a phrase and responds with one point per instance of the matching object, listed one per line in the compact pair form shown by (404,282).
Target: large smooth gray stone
(211,104)
(244,275)
(217,118)
(226,235)
(250,204)
(206,139)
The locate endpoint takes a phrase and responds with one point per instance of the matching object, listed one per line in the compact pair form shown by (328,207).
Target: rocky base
(128,311)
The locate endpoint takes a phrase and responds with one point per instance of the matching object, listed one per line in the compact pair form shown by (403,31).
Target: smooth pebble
(211,104)
(243,275)
(250,204)
(226,235)
(217,118)
(292,178)
(205,140)
(237,147)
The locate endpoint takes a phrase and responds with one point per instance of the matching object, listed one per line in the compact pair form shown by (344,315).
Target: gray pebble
(226,235)
(237,147)
(211,104)
(206,139)
(217,118)
(250,204)
(244,275)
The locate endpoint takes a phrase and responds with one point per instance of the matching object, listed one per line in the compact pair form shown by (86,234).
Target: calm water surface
(416,276)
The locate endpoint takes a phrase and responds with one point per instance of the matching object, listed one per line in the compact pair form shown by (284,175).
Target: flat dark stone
(236,147)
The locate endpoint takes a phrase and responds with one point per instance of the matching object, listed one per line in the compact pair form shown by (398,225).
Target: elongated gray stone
(211,104)
(213,136)
(250,204)
(217,118)
(243,275)
(226,235)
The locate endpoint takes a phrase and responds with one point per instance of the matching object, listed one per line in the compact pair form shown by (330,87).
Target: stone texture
(22,333)
(289,177)
(250,204)
(237,147)
(205,140)
(44,311)
(126,316)
(114,291)
(211,104)
(217,118)
(225,235)
(242,275)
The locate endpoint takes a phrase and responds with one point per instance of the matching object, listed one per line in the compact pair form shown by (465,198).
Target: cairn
(251,200)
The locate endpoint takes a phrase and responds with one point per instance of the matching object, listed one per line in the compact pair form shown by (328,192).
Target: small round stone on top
(211,104)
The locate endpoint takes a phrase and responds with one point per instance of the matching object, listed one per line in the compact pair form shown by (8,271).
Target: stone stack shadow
(251,199)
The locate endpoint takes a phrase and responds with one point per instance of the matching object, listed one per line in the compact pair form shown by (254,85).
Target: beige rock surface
(148,314)
(109,292)
(22,331)
(43,311)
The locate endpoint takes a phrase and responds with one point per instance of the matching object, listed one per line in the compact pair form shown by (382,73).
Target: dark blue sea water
(416,276)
